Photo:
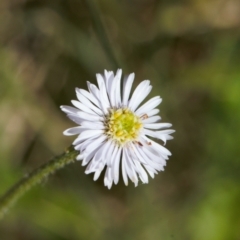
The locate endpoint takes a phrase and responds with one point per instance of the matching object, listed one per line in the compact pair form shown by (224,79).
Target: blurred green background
(190,50)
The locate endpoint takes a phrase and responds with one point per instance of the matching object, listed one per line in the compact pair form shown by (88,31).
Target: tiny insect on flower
(114,131)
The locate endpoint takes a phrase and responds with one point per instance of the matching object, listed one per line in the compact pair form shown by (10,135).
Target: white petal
(87,134)
(124,171)
(157,162)
(67,109)
(110,153)
(95,144)
(130,168)
(93,166)
(146,159)
(82,107)
(115,167)
(105,105)
(164,135)
(150,133)
(107,74)
(95,92)
(118,88)
(104,153)
(87,95)
(127,85)
(149,105)
(161,150)
(98,172)
(157,125)
(153,112)
(73,131)
(109,77)
(151,119)
(107,178)
(141,172)
(79,157)
(140,93)
(88,104)
(90,117)
(115,89)
(89,156)
(93,125)
(103,90)
(75,118)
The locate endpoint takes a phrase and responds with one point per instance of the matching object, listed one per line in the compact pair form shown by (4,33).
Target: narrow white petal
(141,98)
(107,74)
(141,172)
(103,90)
(118,87)
(149,105)
(146,159)
(98,155)
(115,167)
(150,171)
(104,153)
(90,117)
(124,171)
(82,107)
(96,160)
(95,92)
(154,161)
(93,125)
(156,150)
(88,95)
(82,145)
(162,150)
(127,85)
(109,77)
(110,153)
(87,103)
(79,157)
(115,90)
(87,134)
(98,172)
(153,112)
(89,156)
(73,131)
(157,125)
(95,144)
(164,135)
(150,133)
(105,105)
(107,178)
(139,94)
(130,168)
(151,119)
(68,109)
(75,118)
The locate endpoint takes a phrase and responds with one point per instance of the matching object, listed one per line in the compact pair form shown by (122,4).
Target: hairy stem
(35,177)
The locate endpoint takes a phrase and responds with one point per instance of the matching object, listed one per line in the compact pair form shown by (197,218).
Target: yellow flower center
(122,125)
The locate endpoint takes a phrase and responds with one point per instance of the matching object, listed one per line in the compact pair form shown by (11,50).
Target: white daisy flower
(114,132)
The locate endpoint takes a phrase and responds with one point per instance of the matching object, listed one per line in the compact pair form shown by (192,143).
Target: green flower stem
(35,177)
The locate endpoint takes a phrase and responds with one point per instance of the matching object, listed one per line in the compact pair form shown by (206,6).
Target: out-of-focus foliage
(190,50)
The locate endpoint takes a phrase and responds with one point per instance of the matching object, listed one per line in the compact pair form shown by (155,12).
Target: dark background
(190,50)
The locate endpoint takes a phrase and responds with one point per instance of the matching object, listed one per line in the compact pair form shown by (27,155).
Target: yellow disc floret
(122,125)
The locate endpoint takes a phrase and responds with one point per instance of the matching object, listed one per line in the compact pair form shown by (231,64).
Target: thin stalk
(35,177)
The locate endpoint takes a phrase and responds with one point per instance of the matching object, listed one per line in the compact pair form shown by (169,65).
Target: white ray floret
(115,132)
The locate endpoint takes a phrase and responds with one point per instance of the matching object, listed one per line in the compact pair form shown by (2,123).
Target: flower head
(115,132)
